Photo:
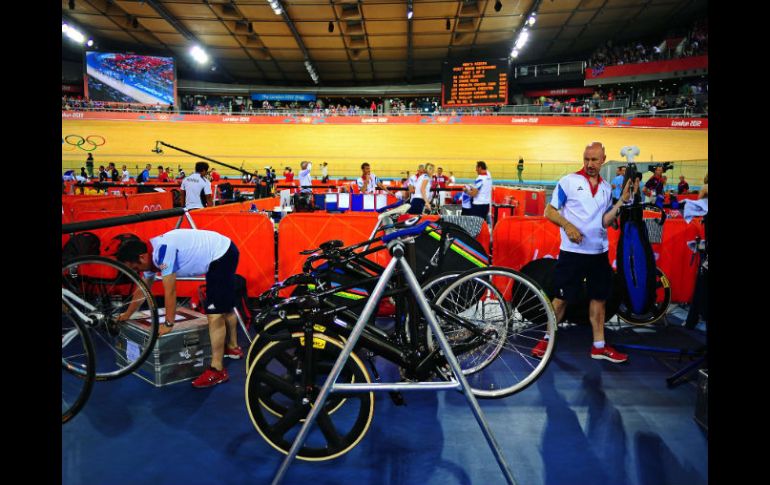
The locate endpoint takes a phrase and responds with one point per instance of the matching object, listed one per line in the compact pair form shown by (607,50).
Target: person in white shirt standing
(126,176)
(324,172)
(582,207)
(480,191)
(368,182)
(196,187)
(305,179)
(422,190)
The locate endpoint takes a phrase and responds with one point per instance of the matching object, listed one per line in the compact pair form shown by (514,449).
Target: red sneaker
(235,353)
(539,349)
(608,353)
(211,377)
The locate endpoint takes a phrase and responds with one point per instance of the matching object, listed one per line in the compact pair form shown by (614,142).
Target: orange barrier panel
(149,202)
(253,234)
(301,231)
(265,204)
(519,240)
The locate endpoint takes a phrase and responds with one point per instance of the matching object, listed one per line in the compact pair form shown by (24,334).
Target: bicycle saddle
(333,244)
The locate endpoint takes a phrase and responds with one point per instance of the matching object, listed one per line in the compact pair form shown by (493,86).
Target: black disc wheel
(104,290)
(77,362)
(658,309)
(280,375)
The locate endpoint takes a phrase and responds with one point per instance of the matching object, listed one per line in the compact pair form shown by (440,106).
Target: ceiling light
(409,9)
(64,28)
(75,35)
(515,53)
(532,19)
(498,5)
(522,39)
(276,6)
(90,42)
(199,54)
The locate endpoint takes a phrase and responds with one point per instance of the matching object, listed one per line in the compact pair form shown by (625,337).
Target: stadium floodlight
(276,6)
(90,42)
(74,34)
(515,53)
(522,39)
(199,54)
(409,10)
(64,28)
(532,19)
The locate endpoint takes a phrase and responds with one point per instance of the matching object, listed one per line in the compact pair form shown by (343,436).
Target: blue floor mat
(582,422)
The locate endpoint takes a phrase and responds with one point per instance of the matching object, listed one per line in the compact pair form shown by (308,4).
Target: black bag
(303,202)
(81,244)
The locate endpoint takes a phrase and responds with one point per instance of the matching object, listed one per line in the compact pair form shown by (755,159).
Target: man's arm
(613,212)
(554,216)
(169,290)
(136,302)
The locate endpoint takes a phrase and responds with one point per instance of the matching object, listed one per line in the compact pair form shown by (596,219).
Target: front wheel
(103,289)
(510,315)
(77,363)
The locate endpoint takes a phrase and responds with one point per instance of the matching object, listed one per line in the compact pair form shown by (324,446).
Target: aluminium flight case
(180,355)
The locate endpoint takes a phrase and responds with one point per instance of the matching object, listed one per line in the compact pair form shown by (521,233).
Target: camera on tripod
(665,165)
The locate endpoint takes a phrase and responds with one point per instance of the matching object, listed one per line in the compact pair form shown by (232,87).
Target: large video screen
(475,83)
(129,78)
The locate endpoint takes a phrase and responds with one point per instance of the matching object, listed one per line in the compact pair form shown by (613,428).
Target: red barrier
(519,240)
(264,204)
(73,205)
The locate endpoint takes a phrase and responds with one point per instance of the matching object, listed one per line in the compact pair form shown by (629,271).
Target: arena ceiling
(372,40)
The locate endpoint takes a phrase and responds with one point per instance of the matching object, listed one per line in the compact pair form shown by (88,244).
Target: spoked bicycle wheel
(658,309)
(77,362)
(103,290)
(512,313)
(279,374)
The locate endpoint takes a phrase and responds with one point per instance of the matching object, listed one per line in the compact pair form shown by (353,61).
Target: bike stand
(397,251)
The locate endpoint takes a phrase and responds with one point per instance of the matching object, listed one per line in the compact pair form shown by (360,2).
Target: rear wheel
(77,362)
(278,374)
(659,308)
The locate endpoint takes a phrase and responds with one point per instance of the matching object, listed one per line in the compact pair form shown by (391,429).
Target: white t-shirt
(418,186)
(186,252)
(126,176)
(411,181)
(371,186)
(574,201)
(192,187)
(324,171)
(483,184)
(305,178)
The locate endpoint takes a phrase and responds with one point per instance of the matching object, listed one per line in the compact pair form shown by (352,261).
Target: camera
(666,167)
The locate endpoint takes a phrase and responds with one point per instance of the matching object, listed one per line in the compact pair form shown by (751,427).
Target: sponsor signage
(306,97)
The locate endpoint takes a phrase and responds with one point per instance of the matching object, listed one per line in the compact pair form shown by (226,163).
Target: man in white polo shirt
(480,191)
(368,182)
(192,252)
(196,187)
(582,207)
(305,179)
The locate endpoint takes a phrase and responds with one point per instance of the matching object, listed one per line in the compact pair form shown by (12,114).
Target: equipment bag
(81,244)
(636,261)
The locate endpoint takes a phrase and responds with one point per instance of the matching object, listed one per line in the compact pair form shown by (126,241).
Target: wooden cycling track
(548,151)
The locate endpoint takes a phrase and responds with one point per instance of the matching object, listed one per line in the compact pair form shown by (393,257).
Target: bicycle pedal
(397,398)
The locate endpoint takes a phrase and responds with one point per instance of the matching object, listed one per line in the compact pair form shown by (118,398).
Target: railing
(524,109)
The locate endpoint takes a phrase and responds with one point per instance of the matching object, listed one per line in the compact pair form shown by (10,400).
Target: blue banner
(282,97)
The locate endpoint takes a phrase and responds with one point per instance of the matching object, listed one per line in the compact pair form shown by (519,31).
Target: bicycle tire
(659,308)
(529,319)
(78,365)
(263,378)
(108,286)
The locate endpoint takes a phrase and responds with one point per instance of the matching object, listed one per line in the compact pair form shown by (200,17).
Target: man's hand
(163,330)
(573,234)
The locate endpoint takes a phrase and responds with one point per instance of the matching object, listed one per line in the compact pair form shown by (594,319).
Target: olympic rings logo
(87,144)
(152,207)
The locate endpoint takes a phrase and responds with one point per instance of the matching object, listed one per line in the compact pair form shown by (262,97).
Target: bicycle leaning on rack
(491,316)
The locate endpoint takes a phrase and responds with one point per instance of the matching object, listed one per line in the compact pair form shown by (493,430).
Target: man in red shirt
(214,175)
(440,182)
(162,175)
(288,175)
